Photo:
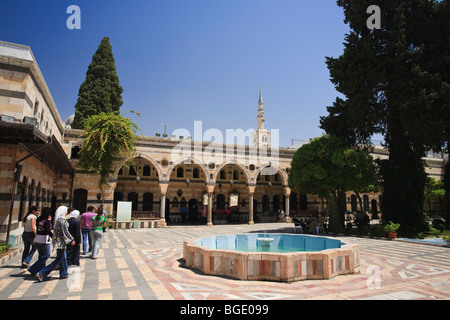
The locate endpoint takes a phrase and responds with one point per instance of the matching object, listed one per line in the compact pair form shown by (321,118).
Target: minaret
(261,137)
(260,118)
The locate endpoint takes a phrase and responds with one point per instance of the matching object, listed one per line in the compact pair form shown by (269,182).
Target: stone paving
(146,264)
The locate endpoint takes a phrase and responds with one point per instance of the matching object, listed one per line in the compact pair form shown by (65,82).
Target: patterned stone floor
(147,264)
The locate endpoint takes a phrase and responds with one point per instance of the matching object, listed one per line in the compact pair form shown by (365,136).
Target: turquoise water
(438,241)
(277,250)
(282,243)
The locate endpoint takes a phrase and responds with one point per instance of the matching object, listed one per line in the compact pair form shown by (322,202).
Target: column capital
(286,191)
(251,189)
(210,188)
(163,186)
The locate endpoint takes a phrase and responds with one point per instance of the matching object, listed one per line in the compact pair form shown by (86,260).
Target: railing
(141,215)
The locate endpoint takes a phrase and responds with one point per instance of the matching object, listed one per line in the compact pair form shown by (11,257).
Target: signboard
(123,211)
(234,199)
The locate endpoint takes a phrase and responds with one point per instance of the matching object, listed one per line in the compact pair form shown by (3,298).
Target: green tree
(328,167)
(434,191)
(109,143)
(390,89)
(101,90)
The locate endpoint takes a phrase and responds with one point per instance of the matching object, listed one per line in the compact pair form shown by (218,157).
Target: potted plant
(391,228)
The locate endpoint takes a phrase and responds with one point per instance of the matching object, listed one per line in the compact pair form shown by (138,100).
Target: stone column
(163,185)
(287,193)
(210,190)
(251,191)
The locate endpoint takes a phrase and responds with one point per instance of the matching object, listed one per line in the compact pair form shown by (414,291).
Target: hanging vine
(109,143)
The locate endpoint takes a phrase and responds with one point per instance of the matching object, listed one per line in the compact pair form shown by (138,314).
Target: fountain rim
(193,243)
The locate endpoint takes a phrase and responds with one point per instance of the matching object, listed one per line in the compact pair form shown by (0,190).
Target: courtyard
(147,264)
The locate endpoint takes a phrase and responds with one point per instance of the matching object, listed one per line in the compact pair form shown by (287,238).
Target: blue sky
(181,61)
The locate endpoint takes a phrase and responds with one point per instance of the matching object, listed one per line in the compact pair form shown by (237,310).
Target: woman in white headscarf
(73,251)
(61,238)
(60,212)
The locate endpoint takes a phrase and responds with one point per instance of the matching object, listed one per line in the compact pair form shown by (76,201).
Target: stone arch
(242,167)
(282,174)
(188,159)
(149,159)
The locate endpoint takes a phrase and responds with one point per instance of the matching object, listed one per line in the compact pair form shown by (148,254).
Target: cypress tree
(390,89)
(101,90)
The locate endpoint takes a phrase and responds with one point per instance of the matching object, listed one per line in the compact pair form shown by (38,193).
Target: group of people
(311,224)
(68,230)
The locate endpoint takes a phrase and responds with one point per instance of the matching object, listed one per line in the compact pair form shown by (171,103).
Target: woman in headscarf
(61,238)
(73,251)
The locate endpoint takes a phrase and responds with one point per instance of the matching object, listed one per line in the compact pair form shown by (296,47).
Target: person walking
(29,231)
(101,210)
(204,212)
(42,240)
(61,238)
(85,221)
(73,252)
(98,222)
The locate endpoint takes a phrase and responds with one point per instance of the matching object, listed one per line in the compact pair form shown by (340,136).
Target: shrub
(377,231)
(391,227)
(4,247)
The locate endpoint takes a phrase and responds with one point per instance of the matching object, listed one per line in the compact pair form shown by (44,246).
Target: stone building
(175,177)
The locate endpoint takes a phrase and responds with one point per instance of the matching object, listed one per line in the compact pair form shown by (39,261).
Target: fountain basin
(289,257)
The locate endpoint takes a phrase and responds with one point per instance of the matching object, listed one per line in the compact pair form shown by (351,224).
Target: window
(180,172)
(354,203)
(366,202)
(133,197)
(146,171)
(220,202)
(36,108)
(175,202)
(235,175)
(223,175)
(147,204)
(75,154)
(132,171)
(196,173)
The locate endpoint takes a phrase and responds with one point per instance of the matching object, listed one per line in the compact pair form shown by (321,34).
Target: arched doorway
(265,203)
(269,186)
(276,203)
(80,199)
(232,186)
(186,185)
(139,185)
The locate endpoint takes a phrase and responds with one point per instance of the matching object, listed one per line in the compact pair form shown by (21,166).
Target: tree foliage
(394,82)
(328,167)
(101,90)
(109,143)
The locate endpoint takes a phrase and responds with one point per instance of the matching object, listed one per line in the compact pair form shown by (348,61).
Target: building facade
(175,178)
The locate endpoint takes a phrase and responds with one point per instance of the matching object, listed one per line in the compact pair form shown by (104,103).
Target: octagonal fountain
(278,257)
